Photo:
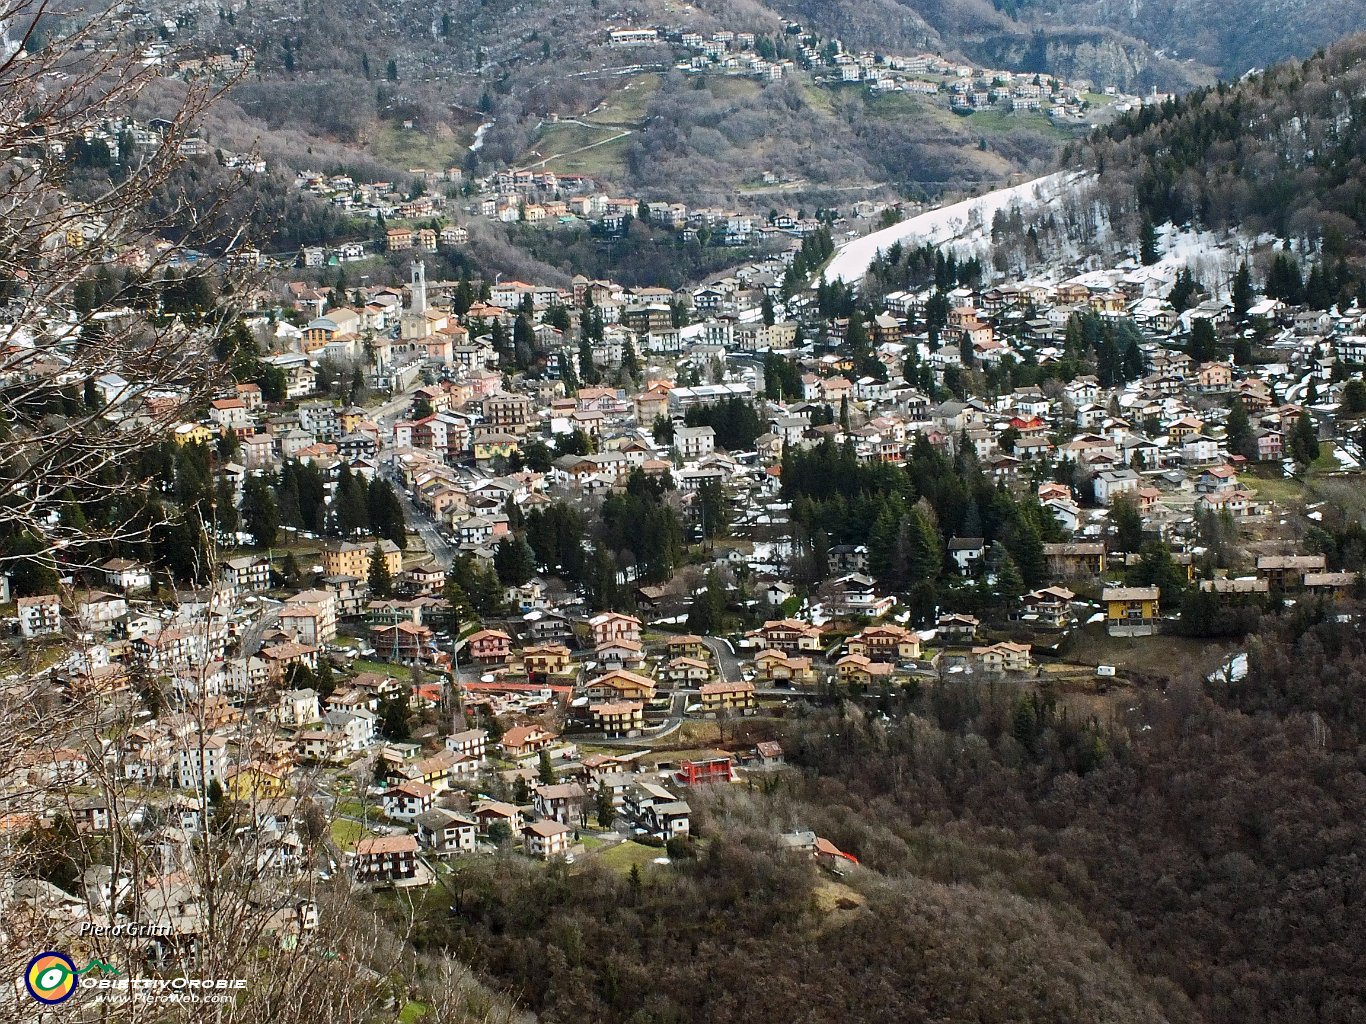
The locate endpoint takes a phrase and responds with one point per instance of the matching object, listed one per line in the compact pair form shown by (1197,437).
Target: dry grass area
(1148,657)
(837,898)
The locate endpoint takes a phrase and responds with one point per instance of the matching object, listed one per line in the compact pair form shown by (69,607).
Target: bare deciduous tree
(90,376)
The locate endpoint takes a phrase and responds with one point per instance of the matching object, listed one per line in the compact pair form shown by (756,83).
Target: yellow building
(350,558)
(193,433)
(862,671)
(253,781)
(618,718)
(546,659)
(735,697)
(885,643)
(1131,611)
(620,685)
(351,418)
(494,446)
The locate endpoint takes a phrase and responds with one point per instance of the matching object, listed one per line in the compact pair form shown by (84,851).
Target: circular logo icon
(51,977)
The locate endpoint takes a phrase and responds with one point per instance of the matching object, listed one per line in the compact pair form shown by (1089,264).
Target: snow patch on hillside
(1084,247)
(967,223)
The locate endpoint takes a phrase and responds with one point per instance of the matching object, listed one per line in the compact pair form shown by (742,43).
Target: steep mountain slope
(1231,37)
(1283,152)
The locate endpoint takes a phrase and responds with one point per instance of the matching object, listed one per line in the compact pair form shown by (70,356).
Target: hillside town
(561,551)
(510,567)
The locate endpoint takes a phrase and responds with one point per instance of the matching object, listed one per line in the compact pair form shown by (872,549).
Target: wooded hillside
(1283,152)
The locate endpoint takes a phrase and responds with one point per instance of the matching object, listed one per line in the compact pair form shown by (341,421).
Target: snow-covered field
(1212,257)
(968,222)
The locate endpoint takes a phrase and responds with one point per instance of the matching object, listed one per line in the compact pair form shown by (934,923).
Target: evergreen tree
(1354,397)
(630,363)
(1239,430)
(1304,439)
(712,511)
(1147,242)
(1010,584)
(1127,523)
(545,771)
(607,814)
(260,514)
(1203,343)
(381,581)
(393,717)
(1242,291)
(514,561)
(707,612)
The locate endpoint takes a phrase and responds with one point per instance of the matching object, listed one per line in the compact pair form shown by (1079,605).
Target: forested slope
(1197,860)
(1282,152)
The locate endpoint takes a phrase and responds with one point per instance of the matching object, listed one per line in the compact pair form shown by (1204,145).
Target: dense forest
(1283,152)
(1197,858)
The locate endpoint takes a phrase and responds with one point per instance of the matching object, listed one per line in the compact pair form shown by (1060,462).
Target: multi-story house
(39,616)
(789,635)
(736,697)
(562,802)
(445,833)
(388,860)
(885,643)
(546,840)
(1131,611)
(612,626)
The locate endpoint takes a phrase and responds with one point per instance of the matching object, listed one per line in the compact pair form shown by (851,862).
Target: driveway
(727,661)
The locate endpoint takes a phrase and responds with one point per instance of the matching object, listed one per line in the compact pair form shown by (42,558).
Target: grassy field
(996,121)
(413,1012)
(605,161)
(408,148)
(627,855)
(626,107)
(623,110)
(736,88)
(383,668)
(1281,490)
(345,834)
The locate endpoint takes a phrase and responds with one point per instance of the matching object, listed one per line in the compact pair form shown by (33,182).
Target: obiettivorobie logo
(52,977)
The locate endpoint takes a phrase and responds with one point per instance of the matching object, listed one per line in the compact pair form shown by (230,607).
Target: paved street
(437,545)
(727,662)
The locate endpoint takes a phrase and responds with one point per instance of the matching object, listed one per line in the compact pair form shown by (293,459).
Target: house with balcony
(623,718)
(444,833)
(857,670)
(562,802)
(544,660)
(732,698)
(389,861)
(781,668)
(885,643)
(612,626)
(525,740)
(547,840)
(789,635)
(488,646)
(687,672)
(705,771)
(1004,657)
(1049,606)
(620,685)
(1131,611)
